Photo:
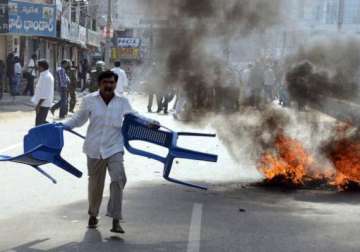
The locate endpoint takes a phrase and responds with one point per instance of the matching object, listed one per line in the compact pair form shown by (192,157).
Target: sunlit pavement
(231,216)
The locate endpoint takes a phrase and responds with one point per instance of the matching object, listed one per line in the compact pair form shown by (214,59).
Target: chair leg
(44,173)
(67,167)
(195,155)
(167,170)
(185,184)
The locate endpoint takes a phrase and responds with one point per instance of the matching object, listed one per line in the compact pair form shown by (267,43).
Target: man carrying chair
(104,147)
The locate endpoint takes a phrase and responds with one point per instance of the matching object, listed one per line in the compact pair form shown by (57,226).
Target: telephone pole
(341,15)
(108,35)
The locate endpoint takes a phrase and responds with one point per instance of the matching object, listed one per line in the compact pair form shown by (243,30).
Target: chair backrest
(135,128)
(48,135)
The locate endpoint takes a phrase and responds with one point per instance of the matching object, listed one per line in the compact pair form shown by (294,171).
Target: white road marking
(195,229)
(10,148)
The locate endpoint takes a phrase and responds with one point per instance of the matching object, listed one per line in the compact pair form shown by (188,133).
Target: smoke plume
(194,60)
(196,47)
(325,69)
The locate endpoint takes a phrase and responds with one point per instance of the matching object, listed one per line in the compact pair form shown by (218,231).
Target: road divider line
(195,229)
(10,147)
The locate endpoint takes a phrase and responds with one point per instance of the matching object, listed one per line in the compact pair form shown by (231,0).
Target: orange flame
(294,165)
(291,161)
(346,159)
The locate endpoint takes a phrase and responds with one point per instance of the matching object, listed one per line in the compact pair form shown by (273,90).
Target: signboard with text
(126,53)
(32,19)
(128,42)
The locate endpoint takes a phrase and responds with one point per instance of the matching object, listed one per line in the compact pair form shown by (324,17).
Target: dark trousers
(63,103)
(83,83)
(150,101)
(12,85)
(41,116)
(72,95)
(30,85)
(162,103)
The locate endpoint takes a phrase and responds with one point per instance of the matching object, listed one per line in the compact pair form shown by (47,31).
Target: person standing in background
(44,93)
(84,70)
(18,75)
(269,83)
(71,72)
(63,81)
(10,73)
(122,82)
(2,77)
(30,76)
(245,77)
(256,80)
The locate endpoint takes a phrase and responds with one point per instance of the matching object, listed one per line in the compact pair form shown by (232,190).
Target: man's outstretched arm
(79,118)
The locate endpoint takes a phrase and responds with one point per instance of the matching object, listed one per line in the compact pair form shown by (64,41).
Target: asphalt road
(231,216)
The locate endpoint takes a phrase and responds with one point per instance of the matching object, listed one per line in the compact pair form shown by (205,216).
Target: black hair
(64,63)
(107,74)
(43,64)
(117,63)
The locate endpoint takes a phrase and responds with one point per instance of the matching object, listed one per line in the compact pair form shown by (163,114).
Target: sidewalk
(9,100)
(23,103)
(20,103)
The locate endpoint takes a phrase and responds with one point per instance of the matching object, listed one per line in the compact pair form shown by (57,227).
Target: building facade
(46,28)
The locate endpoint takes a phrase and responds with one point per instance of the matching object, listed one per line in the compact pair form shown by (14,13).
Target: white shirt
(104,137)
(44,89)
(246,76)
(31,67)
(269,77)
(18,68)
(122,81)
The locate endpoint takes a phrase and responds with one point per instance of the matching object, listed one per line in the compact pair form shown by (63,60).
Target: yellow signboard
(126,53)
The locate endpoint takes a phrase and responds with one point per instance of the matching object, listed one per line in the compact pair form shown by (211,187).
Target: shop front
(4,22)
(29,26)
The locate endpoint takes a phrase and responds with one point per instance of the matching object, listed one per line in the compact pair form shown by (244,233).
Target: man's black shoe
(116,228)
(93,222)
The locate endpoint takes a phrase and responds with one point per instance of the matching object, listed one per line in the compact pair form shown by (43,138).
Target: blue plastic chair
(135,128)
(43,145)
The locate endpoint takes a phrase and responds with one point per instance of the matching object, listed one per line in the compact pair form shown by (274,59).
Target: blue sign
(32,19)
(125,42)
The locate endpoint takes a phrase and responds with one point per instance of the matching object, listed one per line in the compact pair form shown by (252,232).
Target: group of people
(43,96)
(261,83)
(223,90)
(66,80)
(12,74)
(163,98)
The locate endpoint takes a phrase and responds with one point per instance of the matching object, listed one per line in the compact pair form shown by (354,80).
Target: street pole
(341,15)
(108,37)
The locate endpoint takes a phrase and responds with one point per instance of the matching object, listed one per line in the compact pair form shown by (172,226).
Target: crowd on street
(256,84)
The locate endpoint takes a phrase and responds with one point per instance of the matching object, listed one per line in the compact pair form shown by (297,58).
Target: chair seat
(43,145)
(137,129)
